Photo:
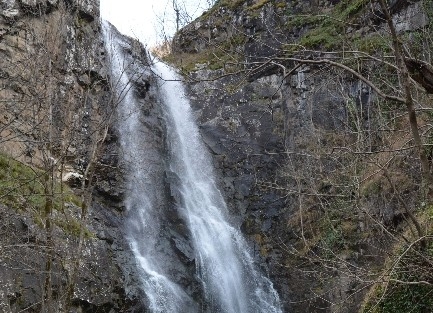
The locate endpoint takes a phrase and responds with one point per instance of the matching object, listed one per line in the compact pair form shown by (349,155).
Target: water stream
(225,268)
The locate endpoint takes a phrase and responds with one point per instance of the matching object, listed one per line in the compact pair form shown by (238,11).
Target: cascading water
(143,187)
(226,270)
(231,282)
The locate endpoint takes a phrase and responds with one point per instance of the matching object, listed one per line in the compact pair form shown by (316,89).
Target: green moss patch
(215,57)
(258,5)
(231,4)
(327,31)
(22,188)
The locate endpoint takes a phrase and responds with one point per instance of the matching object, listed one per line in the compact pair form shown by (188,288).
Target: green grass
(72,226)
(21,186)
(407,298)
(258,5)
(373,44)
(346,9)
(411,267)
(231,4)
(216,57)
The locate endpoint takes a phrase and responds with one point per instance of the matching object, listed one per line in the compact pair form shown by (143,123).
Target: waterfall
(224,266)
(230,280)
(143,185)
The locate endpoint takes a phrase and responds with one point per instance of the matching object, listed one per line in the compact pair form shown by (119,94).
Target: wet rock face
(9,9)
(251,134)
(88,9)
(177,260)
(53,55)
(13,9)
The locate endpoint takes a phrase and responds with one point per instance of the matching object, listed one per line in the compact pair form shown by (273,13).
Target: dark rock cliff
(282,135)
(58,116)
(55,93)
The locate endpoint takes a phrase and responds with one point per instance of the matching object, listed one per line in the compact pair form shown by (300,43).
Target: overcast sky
(142,18)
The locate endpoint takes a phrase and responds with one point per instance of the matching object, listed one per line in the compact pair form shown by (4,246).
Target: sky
(142,19)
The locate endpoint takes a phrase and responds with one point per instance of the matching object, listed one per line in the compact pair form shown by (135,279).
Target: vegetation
(408,288)
(231,4)
(328,31)
(220,56)
(22,187)
(258,4)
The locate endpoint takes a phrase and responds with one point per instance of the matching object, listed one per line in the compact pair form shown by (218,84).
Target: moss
(327,32)
(419,40)
(372,187)
(323,33)
(407,298)
(409,266)
(22,188)
(348,8)
(429,212)
(400,297)
(332,241)
(72,226)
(258,5)
(327,38)
(373,44)
(216,57)
(281,5)
(231,4)
(303,20)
